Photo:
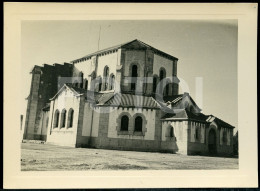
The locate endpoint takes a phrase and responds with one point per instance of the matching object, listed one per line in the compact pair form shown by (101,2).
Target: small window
(134,76)
(63,118)
(154,84)
(93,85)
(81,79)
(70,118)
(56,118)
(124,123)
(100,84)
(105,77)
(112,82)
(138,124)
(76,84)
(171,132)
(162,74)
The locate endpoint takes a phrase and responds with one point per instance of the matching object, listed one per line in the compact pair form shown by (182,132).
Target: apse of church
(123,98)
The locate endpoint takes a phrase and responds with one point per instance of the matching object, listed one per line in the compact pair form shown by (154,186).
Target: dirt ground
(44,157)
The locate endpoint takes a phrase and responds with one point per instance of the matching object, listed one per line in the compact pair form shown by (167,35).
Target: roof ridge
(99,51)
(123,44)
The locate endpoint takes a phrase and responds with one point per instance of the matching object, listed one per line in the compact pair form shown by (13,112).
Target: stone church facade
(125,98)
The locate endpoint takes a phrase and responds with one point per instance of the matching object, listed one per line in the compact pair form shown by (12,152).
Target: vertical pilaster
(149,71)
(103,127)
(32,106)
(175,85)
(80,119)
(158,128)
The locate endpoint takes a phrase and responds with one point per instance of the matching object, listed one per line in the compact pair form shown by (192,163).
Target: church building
(126,98)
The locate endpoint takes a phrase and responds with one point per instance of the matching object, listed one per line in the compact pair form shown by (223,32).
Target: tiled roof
(173,99)
(104,98)
(219,122)
(111,99)
(196,116)
(46,107)
(142,44)
(130,100)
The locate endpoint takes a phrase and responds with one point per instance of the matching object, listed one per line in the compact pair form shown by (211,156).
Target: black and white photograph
(129,95)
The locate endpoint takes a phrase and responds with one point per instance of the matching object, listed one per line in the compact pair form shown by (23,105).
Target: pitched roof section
(78,92)
(146,102)
(182,112)
(134,44)
(130,100)
(181,101)
(112,99)
(220,122)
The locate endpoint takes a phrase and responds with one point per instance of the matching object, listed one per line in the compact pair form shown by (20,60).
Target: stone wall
(44,85)
(42,130)
(105,133)
(199,147)
(180,132)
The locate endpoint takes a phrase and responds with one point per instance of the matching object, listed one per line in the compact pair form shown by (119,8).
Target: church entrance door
(212,142)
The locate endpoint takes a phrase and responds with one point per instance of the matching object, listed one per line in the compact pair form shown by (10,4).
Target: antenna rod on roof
(99,36)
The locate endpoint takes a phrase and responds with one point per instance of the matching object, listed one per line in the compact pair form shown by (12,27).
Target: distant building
(143,115)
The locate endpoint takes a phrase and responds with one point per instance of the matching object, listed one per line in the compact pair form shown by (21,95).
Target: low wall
(128,144)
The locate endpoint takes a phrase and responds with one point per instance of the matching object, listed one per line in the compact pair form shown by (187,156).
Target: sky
(206,49)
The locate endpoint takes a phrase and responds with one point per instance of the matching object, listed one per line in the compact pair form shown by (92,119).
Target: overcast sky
(206,49)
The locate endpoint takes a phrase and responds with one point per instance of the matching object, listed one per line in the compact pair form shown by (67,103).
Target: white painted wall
(85,67)
(64,136)
(179,129)
(193,131)
(42,130)
(149,115)
(110,60)
(222,133)
(87,121)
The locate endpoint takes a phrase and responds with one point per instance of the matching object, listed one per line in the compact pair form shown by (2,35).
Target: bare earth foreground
(44,157)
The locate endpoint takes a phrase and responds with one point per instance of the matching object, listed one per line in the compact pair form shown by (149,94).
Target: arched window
(154,84)
(112,82)
(76,84)
(162,73)
(169,131)
(197,133)
(63,118)
(100,84)
(93,76)
(56,118)
(70,118)
(93,82)
(124,123)
(138,123)
(134,76)
(105,77)
(86,84)
(162,76)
